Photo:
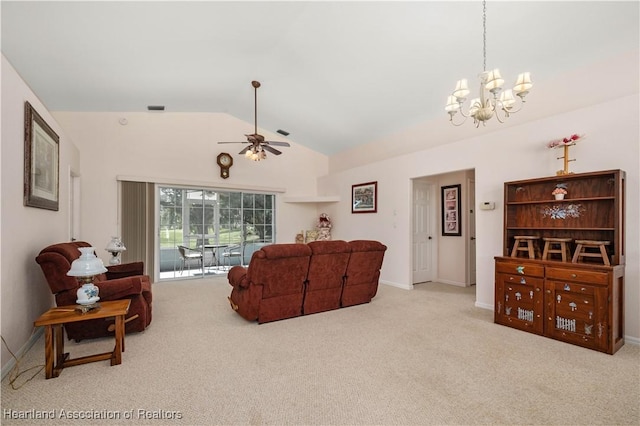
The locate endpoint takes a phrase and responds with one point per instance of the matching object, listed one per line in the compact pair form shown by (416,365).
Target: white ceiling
(334,74)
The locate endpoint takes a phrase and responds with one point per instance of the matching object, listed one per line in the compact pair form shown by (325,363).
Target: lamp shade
(474,106)
(507,99)
(523,83)
(115,245)
(452,104)
(87,265)
(462,89)
(494,80)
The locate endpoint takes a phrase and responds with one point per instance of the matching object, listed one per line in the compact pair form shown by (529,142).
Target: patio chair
(236,250)
(187,255)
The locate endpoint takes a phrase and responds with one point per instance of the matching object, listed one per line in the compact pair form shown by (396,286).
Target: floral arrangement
(571,140)
(324,221)
(561,188)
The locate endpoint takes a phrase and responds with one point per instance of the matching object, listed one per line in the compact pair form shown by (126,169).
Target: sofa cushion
(327,269)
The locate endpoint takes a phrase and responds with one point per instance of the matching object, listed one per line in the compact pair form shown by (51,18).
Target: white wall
(24,231)
(511,153)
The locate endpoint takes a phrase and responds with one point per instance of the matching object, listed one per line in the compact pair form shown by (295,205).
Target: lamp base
(115,258)
(83,309)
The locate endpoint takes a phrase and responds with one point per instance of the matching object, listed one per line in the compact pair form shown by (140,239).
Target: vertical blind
(137,209)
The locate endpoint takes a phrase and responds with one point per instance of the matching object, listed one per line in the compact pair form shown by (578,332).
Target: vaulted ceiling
(334,74)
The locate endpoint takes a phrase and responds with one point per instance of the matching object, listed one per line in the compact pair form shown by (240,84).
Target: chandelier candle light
(488,104)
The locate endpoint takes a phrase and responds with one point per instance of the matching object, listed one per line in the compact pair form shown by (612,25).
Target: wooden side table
(55,318)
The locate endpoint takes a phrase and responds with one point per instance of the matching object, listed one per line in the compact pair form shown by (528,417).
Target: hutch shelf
(579,302)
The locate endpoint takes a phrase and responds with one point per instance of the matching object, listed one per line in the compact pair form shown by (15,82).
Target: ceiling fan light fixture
(256,151)
(256,154)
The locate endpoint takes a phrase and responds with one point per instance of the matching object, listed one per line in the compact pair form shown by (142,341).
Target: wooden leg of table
(117,351)
(48,351)
(61,357)
(58,332)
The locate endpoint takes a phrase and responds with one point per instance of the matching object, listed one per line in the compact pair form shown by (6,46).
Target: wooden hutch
(580,299)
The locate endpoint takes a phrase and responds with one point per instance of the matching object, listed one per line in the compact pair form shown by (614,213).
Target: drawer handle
(573,275)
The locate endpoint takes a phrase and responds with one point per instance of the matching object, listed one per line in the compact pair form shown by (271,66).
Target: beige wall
(24,294)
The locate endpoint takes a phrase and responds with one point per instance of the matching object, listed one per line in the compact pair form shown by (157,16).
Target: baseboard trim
(484,306)
(456,283)
(392,284)
(6,369)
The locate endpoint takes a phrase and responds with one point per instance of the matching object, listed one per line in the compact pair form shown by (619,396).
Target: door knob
(473,238)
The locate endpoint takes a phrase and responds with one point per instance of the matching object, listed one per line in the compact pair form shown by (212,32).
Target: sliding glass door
(205,231)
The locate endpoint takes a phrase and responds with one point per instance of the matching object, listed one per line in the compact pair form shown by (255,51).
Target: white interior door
(423,231)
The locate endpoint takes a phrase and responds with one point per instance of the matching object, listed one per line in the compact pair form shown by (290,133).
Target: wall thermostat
(487,205)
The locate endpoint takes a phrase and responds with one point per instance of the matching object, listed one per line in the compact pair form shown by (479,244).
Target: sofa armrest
(238,277)
(125,270)
(120,288)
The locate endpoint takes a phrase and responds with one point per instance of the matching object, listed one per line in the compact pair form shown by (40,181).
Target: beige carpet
(418,357)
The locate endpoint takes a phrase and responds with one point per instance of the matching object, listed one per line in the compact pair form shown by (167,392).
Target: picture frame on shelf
(364,197)
(41,162)
(310,235)
(451,207)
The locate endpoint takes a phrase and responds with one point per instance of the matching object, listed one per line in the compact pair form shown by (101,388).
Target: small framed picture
(451,205)
(41,162)
(364,197)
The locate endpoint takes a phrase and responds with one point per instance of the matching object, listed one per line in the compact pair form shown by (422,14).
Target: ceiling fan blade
(245,150)
(276,143)
(234,142)
(271,150)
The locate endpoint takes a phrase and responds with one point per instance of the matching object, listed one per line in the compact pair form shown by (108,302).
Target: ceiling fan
(258,146)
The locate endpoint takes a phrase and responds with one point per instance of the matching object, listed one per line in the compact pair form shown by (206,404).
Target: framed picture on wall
(364,197)
(451,220)
(41,162)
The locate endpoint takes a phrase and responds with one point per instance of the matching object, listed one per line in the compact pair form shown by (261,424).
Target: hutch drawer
(580,275)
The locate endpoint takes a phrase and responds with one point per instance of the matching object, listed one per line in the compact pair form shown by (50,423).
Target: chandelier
(492,100)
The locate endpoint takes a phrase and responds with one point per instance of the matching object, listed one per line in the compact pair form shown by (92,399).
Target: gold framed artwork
(41,162)
(450,196)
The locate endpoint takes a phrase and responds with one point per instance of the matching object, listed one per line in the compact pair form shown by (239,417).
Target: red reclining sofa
(290,280)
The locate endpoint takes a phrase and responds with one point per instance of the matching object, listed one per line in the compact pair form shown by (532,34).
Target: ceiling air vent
(155,107)
(282,132)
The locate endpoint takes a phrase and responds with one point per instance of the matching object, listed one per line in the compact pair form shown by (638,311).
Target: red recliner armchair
(119,282)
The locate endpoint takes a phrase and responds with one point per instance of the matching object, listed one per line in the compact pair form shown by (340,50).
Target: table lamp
(115,247)
(84,269)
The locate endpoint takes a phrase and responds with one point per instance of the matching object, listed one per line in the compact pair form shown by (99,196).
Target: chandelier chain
(484,35)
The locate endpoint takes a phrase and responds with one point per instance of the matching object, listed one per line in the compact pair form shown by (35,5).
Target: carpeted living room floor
(426,356)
